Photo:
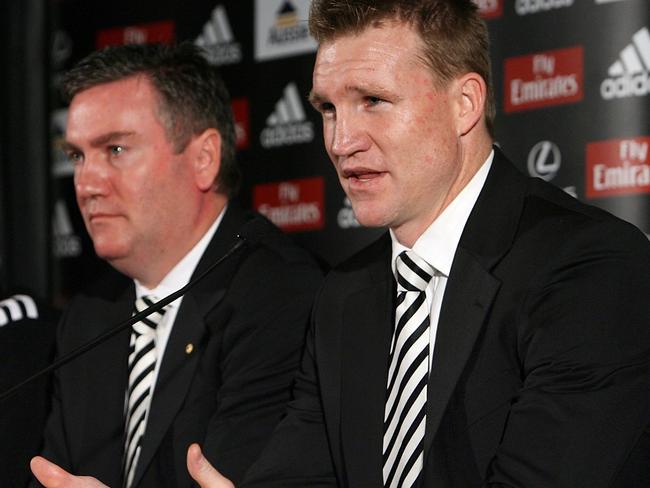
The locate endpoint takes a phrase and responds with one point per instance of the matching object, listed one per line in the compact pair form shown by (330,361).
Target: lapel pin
(189,348)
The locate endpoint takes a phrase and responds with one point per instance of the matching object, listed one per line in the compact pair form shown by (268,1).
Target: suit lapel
(174,379)
(178,366)
(471,287)
(467,300)
(367,329)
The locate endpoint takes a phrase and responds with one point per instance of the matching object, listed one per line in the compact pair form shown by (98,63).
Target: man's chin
(369,220)
(369,212)
(109,253)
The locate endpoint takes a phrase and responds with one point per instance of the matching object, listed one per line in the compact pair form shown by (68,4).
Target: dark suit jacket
(246,321)
(540,367)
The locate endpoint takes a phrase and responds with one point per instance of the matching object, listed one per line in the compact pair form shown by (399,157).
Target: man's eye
(327,107)
(373,100)
(74,156)
(116,150)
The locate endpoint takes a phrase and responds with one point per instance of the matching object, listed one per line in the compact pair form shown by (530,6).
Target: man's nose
(348,136)
(91,178)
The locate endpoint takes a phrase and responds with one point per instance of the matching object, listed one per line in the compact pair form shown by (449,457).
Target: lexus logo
(544,160)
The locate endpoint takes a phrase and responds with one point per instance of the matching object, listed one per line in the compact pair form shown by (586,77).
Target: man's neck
(149,271)
(408,233)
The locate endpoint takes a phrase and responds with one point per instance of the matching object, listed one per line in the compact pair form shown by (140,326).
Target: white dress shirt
(178,277)
(437,244)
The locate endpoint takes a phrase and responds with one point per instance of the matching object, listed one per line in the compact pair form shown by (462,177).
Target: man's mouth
(97,216)
(362,174)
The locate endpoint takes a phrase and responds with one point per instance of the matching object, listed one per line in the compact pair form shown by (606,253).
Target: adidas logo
(287,125)
(630,75)
(217,39)
(16,308)
(287,26)
(66,244)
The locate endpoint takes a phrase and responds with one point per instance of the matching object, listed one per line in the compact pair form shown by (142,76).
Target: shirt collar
(437,244)
(180,274)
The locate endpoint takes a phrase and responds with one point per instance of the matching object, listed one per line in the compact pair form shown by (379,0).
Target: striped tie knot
(148,324)
(413,272)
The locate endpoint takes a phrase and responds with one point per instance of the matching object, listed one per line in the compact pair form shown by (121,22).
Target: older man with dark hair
(151,137)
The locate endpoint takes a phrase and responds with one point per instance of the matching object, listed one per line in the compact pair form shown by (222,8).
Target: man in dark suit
(536,318)
(498,334)
(151,137)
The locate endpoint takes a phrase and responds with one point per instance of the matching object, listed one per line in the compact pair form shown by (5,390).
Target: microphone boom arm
(66,358)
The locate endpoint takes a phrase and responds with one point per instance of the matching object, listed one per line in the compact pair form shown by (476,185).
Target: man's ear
(472,94)
(206,158)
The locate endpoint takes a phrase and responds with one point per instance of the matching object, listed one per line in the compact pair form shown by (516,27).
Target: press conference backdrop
(572,81)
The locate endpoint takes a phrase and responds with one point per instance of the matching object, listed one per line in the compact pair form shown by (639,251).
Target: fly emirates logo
(544,79)
(618,167)
(294,206)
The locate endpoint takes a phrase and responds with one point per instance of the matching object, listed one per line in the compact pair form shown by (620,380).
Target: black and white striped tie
(142,363)
(406,401)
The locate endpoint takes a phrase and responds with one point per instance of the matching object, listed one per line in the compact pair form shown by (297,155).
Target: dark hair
(455,37)
(193,97)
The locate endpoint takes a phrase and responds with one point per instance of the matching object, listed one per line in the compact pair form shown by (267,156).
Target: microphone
(250,234)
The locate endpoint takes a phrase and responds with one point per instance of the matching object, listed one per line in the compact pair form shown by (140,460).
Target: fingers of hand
(52,476)
(203,472)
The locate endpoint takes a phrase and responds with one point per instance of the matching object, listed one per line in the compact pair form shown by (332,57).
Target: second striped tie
(142,364)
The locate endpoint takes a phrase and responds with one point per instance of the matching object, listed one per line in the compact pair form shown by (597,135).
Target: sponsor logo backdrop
(572,81)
